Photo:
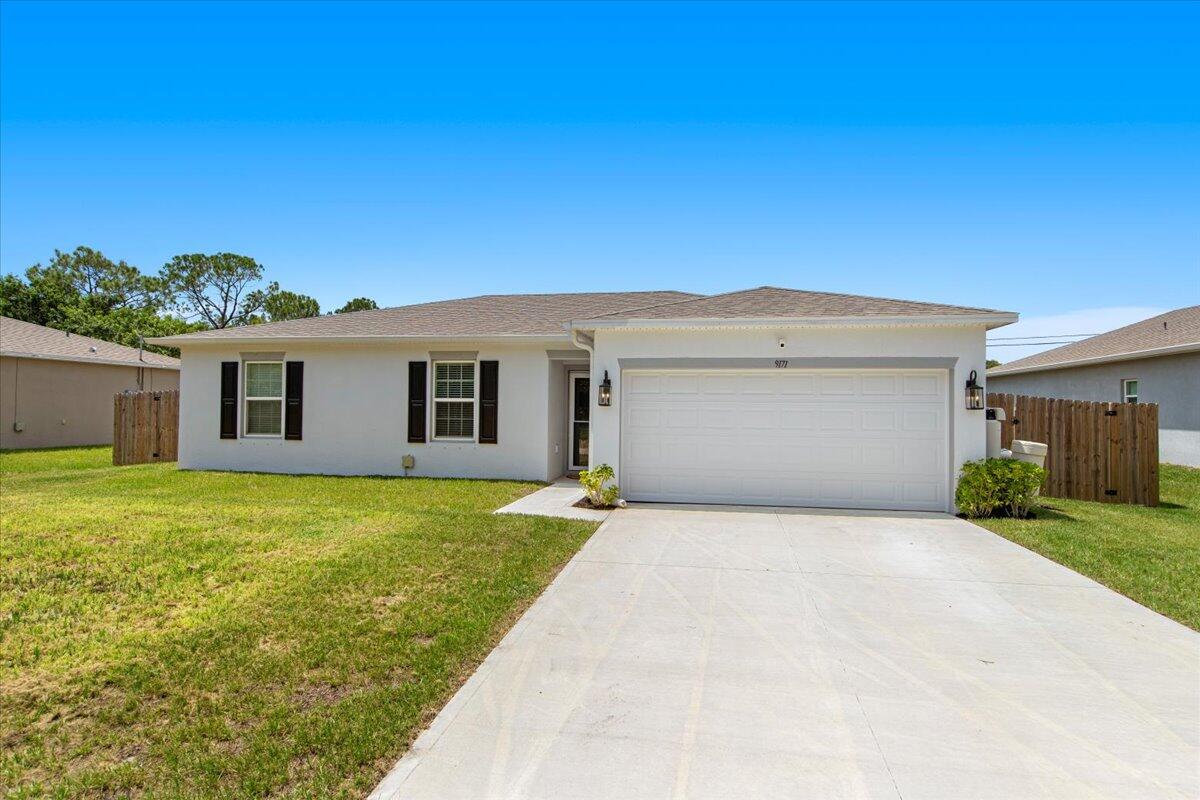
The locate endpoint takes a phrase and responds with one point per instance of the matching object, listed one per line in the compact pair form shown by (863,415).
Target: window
(454,400)
(1129,392)
(264,398)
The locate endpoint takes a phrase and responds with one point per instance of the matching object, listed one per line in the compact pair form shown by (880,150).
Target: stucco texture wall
(65,403)
(356,414)
(964,345)
(1173,382)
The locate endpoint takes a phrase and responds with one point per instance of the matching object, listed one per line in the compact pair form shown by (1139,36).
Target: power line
(1028,344)
(1047,336)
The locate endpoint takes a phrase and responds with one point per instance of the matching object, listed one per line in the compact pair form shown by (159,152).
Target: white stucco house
(764,396)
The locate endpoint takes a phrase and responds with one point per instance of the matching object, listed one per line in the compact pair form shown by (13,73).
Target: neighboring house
(765,396)
(1153,361)
(56,388)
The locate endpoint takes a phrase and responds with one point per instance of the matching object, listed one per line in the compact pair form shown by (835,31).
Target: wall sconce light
(604,396)
(974,394)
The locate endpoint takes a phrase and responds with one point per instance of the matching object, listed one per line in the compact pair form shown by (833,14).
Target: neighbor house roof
(774,303)
(549,315)
(26,340)
(515,315)
(1174,332)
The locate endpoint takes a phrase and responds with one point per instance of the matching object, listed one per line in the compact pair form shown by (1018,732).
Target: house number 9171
(781,363)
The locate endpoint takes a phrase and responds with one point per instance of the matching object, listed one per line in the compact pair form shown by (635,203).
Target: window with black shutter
(229,399)
(293,420)
(489,393)
(416,401)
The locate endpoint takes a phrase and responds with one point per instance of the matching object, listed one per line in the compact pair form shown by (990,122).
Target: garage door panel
(921,421)
(922,493)
(871,439)
(875,385)
(797,385)
(804,419)
(760,419)
(878,419)
(922,386)
(838,385)
(837,420)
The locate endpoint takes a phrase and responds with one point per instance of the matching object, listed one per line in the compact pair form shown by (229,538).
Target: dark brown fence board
(1092,454)
(145,427)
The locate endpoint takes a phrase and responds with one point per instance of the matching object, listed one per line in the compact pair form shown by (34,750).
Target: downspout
(578,338)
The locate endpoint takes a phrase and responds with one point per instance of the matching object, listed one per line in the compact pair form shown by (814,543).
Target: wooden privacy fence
(145,427)
(1106,452)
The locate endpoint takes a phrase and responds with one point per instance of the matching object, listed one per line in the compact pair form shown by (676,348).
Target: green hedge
(998,487)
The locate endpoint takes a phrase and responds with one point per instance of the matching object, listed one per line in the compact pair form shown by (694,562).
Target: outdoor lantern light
(604,397)
(974,394)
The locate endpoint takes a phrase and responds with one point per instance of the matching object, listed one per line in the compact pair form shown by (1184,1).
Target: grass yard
(1149,554)
(195,634)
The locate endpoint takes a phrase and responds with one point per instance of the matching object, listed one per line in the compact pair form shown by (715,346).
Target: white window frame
(1125,395)
(473,401)
(246,398)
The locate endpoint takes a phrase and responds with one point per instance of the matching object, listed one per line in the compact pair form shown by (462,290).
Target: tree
(991,362)
(86,293)
(102,283)
(282,304)
(357,304)
(217,289)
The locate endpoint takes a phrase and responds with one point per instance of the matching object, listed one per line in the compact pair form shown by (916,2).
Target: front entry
(579,392)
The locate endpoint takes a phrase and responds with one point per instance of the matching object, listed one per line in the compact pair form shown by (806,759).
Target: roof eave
(105,362)
(515,338)
(989,320)
(1189,347)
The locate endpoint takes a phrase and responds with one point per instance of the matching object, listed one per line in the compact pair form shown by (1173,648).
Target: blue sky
(1037,158)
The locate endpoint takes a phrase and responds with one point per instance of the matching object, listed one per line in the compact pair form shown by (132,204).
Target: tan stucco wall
(64,403)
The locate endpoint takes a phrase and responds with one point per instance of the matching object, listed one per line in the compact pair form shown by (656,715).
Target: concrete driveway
(739,653)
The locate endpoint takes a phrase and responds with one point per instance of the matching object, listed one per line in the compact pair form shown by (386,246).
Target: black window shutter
(229,399)
(489,393)
(416,401)
(294,401)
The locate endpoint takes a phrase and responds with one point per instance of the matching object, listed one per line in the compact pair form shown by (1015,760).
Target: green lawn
(1149,554)
(198,634)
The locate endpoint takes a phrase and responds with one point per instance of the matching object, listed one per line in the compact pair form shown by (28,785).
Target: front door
(579,390)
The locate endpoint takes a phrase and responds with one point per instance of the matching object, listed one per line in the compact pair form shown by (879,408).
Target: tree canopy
(358,304)
(86,292)
(282,304)
(217,289)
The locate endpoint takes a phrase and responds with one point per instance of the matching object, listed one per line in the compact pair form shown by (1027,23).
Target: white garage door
(832,438)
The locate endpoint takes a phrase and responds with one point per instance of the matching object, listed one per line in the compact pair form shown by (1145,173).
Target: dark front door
(579,407)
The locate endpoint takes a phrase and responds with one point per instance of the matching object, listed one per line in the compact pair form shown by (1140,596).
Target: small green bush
(998,487)
(593,481)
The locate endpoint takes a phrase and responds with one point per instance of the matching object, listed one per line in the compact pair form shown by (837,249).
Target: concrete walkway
(747,653)
(556,500)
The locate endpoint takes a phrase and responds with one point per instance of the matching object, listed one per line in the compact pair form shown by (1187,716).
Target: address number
(781,363)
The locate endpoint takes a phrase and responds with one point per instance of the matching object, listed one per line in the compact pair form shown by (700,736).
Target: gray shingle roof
(1175,329)
(487,315)
(27,340)
(548,314)
(772,301)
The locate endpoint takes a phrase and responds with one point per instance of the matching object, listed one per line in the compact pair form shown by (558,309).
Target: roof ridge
(810,292)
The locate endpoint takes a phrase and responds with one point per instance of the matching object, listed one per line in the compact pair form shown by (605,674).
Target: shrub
(593,480)
(996,487)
